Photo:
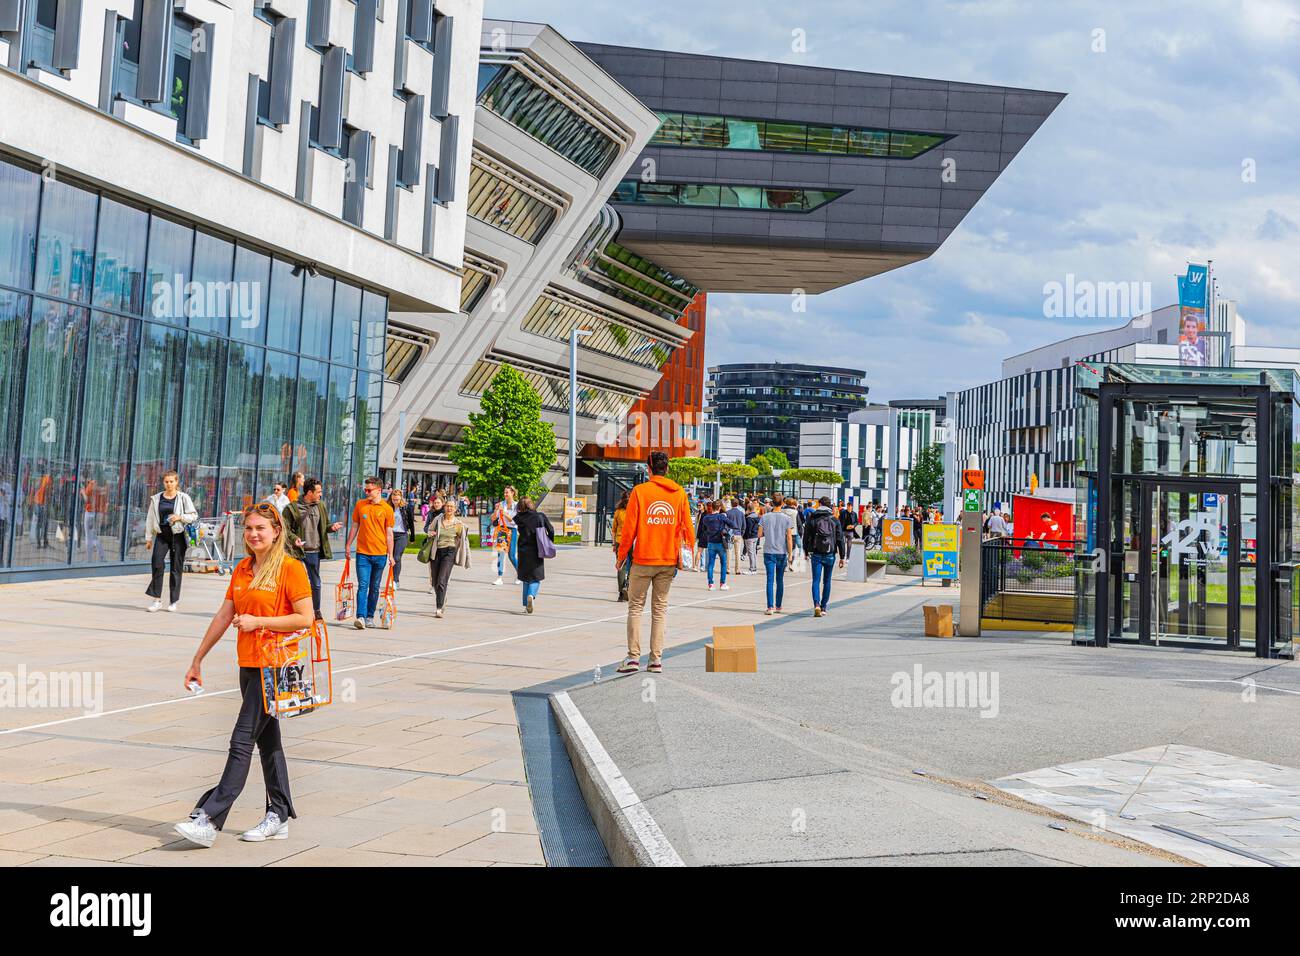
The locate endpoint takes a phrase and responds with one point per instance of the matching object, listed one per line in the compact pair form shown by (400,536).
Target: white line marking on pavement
(1220,680)
(362,667)
(647,831)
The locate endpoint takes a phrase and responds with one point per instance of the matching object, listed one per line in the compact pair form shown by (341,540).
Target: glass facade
(592,402)
(717,196)
(132,344)
(555,318)
(498,202)
(520,101)
(733,132)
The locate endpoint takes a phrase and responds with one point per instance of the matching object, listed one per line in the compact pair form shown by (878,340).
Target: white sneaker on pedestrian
(432,589)
(817,611)
(155,606)
(396,586)
(438,613)
(359,624)
(769,612)
(710,585)
(724,587)
(271,828)
(198,829)
(171,607)
(497,583)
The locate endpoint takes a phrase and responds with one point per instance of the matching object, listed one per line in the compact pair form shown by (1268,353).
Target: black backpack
(819,533)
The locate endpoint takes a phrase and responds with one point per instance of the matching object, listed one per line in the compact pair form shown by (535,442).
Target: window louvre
(357,172)
(318,23)
(330,132)
(196,118)
(363,36)
(438,97)
(280,107)
(420,23)
(10,16)
(446,191)
(67,35)
(412,140)
(155,40)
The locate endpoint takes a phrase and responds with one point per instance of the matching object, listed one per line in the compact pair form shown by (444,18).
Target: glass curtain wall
(133,344)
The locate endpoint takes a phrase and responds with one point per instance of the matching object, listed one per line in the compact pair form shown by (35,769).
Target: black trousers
(444,559)
(163,545)
(399,548)
(253,726)
(312,560)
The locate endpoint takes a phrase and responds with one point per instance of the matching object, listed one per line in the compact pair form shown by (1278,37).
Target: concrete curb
(629,832)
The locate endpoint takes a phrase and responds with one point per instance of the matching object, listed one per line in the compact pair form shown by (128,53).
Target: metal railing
(1027,579)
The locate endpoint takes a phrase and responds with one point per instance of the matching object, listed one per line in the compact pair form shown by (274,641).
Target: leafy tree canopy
(507,442)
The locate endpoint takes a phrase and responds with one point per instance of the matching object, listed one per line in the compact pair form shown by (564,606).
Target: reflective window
(374,321)
(65,250)
(105,443)
(252,292)
(41,48)
(284,311)
(157,425)
(211,295)
(119,257)
(784,199)
(498,202)
(730,132)
(369,389)
(279,389)
(170,248)
(347,323)
(309,417)
(555,318)
(13,347)
(178,101)
(47,468)
(340,433)
(317,308)
(205,374)
(518,100)
(21,190)
(240,423)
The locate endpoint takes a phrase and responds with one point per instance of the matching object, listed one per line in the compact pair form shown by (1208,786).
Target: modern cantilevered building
(610,185)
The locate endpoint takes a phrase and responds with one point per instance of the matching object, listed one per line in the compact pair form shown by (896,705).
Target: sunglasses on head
(265,509)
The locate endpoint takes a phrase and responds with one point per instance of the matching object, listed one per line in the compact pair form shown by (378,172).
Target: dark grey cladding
(894,211)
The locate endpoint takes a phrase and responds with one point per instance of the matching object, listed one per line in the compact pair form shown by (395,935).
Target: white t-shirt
(509,510)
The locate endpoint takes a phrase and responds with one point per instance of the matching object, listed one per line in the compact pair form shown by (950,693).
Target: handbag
(300,678)
(388,602)
(345,593)
(545,548)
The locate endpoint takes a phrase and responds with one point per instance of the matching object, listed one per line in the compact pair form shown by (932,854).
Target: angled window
(731,132)
(719,196)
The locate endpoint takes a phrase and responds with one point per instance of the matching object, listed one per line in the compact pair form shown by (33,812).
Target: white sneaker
(198,829)
(432,589)
(438,613)
(724,587)
(172,608)
(155,606)
(496,583)
(710,587)
(271,828)
(359,624)
(395,586)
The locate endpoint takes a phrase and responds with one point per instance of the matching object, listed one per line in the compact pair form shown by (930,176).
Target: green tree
(761,464)
(777,458)
(925,481)
(814,477)
(507,443)
(685,470)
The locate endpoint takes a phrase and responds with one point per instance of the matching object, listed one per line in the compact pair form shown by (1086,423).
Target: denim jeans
(530,590)
(370,581)
(312,561)
(775,565)
(513,553)
(716,551)
(822,566)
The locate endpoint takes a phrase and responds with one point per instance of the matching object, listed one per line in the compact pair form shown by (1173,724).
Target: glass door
(1194,547)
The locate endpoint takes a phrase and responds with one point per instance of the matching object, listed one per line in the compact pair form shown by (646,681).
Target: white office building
(870,450)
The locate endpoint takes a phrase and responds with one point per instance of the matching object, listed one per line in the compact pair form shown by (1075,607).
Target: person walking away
(307,530)
(170,512)
(736,539)
(372,534)
(776,530)
(791,508)
(268,595)
(701,545)
(822,534)
(621,568)
(403,531)
(503,523)
(657,527)
(716,527)
(446,544)
(295,487)
(531,565)
(752,518)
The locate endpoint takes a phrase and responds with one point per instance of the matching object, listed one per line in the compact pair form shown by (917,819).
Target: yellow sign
(897,534)
(939,537)
(573,510)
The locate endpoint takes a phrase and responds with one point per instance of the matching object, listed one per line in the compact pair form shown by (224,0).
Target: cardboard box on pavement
(733,651)
(938,620)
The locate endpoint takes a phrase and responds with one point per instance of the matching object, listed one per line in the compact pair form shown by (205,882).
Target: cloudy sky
(1179,141)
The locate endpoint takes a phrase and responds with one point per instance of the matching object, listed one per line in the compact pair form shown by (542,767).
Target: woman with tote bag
(445,544)
(536,537)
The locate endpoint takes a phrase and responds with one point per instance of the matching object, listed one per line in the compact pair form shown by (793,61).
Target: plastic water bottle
(595,677)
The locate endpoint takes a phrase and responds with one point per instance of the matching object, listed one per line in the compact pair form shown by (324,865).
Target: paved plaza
(417,763)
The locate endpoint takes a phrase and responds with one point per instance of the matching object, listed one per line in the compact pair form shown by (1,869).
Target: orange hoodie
(658,521)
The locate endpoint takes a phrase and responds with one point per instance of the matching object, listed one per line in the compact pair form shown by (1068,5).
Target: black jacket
(834,528)
(532,567)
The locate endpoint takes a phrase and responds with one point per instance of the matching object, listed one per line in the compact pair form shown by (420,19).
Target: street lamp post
(574,335)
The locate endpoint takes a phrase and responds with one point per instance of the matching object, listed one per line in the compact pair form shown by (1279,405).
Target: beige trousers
(642,578)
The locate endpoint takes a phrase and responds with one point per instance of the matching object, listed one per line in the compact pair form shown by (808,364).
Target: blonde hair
(267,577)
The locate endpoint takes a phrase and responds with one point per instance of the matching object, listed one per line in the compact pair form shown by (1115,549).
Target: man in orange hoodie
(657,526)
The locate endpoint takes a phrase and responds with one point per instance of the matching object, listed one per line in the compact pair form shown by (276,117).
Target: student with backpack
(823,538)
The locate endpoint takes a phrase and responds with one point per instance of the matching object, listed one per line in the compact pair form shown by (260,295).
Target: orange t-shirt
(293,586)
(293,494)
(373,519)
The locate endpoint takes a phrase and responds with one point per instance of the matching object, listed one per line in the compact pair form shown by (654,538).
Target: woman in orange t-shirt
(269,591)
